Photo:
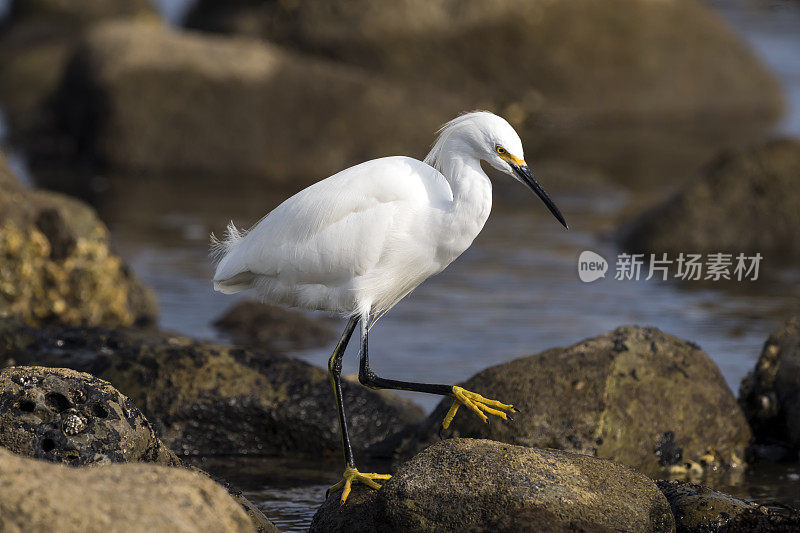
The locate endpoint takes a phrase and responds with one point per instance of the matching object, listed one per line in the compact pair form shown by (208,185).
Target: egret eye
(500,150)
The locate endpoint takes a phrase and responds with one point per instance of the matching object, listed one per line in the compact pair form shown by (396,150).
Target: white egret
(359,241)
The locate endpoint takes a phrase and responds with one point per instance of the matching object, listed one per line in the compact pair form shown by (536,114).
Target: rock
(267,326)
(56,264)
(211,399)
(770,393)
(143,96)
(701,509)
(561,52)
(38,38)
(71,14)
(634,395)
(61,415)
(669,76)
(481,485)
(70,417)
(744,201)
(40,496)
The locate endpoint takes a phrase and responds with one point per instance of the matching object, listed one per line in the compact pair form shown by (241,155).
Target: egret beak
(525,176)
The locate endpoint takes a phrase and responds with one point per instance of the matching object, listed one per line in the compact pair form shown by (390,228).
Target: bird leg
(475,402)
(334,373)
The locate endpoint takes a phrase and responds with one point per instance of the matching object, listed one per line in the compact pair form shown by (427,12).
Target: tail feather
(220,247)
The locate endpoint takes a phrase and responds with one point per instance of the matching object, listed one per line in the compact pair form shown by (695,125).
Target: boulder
(770,393)
(633,86)
(70,417)
(61,415)
(70,14)
(144,96)
(634,395)
(481,485)
(56,263)
(38,38)
(743,202)
(701,509)
(262,325)
(40,496)
(213,399)
(661,58)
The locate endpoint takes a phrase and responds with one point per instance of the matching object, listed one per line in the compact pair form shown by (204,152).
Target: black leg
(335,372)
(368,378)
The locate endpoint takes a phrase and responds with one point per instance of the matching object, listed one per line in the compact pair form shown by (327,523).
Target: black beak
(526,177)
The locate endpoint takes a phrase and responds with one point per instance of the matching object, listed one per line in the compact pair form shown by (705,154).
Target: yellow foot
(350,475)
(479,405)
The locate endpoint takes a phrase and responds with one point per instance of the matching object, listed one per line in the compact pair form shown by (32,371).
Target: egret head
(490,138)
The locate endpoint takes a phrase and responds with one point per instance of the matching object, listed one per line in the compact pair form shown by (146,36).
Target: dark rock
(267,326)
(70,417)
(770,394)
(212,399)
(56,263)
(41,496)
(699,509)
(634,395)
(480,485)
(744,202)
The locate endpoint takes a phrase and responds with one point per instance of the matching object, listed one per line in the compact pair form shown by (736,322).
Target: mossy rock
(212,399)
(699,509)
(634,395)
(481,485)
(70,417)
(745,201)
(40,496)
(770,393)
(56,264)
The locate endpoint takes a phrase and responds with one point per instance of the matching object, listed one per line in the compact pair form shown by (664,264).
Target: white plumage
(359,241)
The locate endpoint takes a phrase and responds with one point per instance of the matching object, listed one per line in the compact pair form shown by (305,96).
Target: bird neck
(472,189)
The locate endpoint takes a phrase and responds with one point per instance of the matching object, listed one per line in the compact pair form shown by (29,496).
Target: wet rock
(267,326)
(770,393)
(40,496)
(70,417)
(56,264)
(704,510)
(143,96)
(743,202)
(634,395)
(213,399)
(480,485)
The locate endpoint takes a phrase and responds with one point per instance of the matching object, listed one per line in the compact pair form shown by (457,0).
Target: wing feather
(334,230)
